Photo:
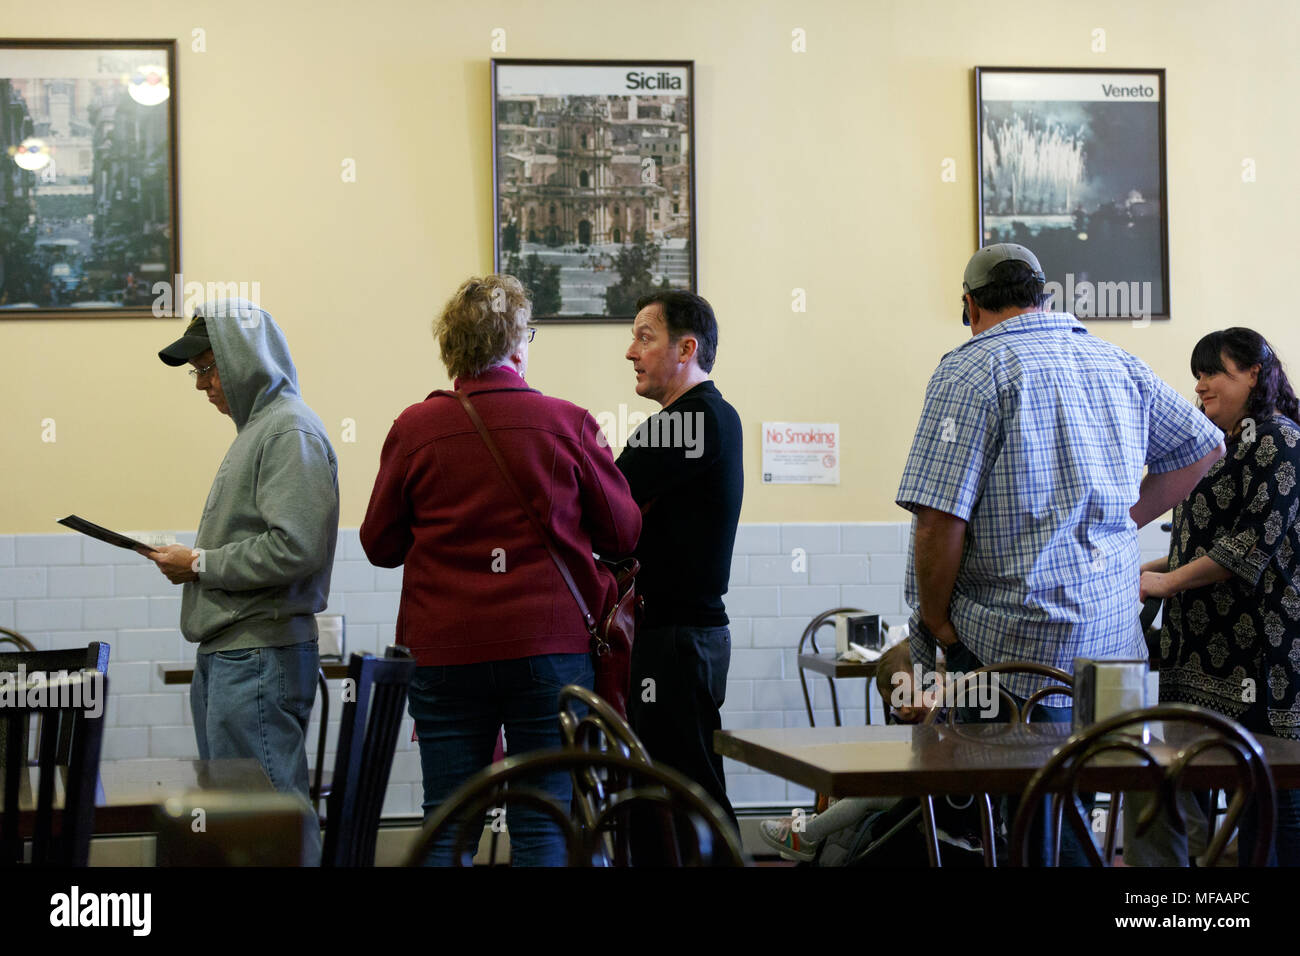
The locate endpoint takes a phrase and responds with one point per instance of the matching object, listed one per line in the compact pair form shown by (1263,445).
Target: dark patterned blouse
(1234,647)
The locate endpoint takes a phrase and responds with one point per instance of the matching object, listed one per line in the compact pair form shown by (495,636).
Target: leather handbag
(612,636)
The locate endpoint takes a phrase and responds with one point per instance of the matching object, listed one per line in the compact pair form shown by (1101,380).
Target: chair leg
(930,829)
(316,788)
(1057,811)
(807,700)
(986,830)
(1112,826)
(835,701)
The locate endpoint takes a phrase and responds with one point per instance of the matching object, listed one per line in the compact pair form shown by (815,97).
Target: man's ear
(687,347)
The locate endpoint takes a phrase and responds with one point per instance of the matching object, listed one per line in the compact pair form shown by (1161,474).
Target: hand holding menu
(103,534)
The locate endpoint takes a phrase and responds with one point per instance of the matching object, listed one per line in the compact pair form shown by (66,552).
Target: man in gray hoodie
(260,568)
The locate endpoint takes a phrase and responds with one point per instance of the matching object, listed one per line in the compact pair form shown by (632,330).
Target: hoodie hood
(251,354)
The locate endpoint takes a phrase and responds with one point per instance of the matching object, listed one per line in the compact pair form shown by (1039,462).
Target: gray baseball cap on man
(979,270)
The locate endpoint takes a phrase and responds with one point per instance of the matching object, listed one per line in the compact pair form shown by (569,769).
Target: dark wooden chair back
(1063,687)
(961,688)
(600,730)
(367,742)
(92,657)
(708,837)
(1123,734)
(59,838)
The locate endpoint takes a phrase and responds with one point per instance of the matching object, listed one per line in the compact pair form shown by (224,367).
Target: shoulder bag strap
(545,535)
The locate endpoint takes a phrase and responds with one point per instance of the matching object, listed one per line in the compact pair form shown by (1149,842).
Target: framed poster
(593,171)
(1072,165)
(88,193)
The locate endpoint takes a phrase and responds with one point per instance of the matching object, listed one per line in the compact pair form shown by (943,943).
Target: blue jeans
(255,703)
(458,710)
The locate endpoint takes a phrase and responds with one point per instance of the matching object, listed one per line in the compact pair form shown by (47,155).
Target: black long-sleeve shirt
(685,463)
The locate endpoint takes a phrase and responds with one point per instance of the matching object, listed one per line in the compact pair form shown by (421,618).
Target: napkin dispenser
(1104,688)
(861,629)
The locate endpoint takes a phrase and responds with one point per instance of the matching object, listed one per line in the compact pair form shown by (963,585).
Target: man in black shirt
(684,467)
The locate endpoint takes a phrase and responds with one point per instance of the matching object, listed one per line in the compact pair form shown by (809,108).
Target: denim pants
(255,703)
(458,710)
(961,660)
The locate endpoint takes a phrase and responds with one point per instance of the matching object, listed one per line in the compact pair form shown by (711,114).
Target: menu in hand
(103,534)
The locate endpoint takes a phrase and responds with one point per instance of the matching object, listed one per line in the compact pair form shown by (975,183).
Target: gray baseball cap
(978,270)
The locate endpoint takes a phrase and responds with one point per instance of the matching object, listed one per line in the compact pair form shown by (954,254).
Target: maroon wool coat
(478,584)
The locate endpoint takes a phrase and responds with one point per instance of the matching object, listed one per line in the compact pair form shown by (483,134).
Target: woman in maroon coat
(494,630)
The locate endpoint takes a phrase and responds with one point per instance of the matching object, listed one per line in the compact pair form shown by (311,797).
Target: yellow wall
(818,170)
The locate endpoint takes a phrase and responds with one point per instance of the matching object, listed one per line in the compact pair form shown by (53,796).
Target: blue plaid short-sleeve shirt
(1035,433)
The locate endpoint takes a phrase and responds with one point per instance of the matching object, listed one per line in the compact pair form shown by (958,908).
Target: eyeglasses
(199,372)
(531,333)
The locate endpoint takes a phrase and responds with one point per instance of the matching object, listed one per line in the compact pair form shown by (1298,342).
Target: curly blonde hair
(482,324)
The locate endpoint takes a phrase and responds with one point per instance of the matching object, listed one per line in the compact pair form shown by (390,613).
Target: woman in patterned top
(1231,639)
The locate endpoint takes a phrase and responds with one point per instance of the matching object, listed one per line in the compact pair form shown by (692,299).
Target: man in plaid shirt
(1025,477)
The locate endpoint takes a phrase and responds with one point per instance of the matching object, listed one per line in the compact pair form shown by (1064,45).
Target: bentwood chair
(17,640)
(962,687)
(600,730)
(1125,734)
(704,833)
(72,713)
(804,658)
(373,705)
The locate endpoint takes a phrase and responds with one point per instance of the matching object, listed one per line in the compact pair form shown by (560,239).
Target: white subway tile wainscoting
(63,590)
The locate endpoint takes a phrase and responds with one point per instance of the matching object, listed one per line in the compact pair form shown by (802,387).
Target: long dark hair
(1246,348)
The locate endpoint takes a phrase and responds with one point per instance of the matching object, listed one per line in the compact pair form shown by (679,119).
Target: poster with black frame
(1072,165)
(593,172)
(88,219)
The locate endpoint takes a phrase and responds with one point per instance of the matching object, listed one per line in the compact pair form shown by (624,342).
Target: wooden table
(129,790)
(910,760)
(184,673)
